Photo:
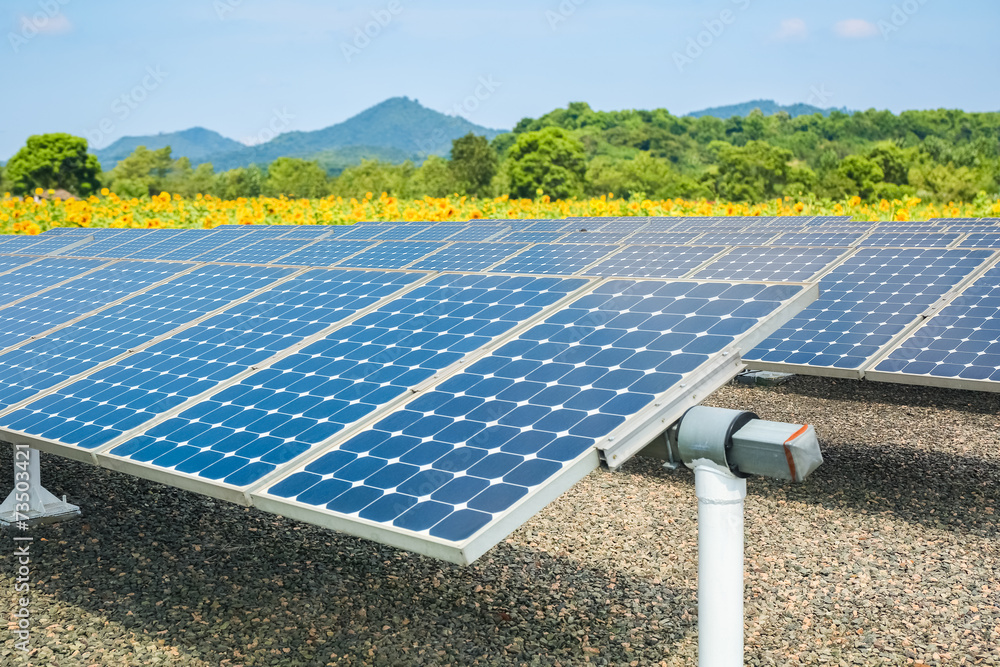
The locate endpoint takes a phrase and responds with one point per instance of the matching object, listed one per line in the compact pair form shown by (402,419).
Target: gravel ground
(887,555)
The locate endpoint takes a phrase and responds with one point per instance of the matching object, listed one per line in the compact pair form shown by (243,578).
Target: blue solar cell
(325,253)
(76,297)
(556,258)
(778,263)
(736,238)
(655,261)
(531,237)
(79,347)
(981,240)
(15,244)
(130,244)
(391,255)
(169,243)
(910,239)
(437,233)
(594,237)
(864,302)
(661,238)
(624,225)
(55,245)
(303,399)
(468,256)
(261,252)
(213,242)
(172,371)
(480,233)
(456,458)
(819,238)
(960,342)
(552,226)
(9,263)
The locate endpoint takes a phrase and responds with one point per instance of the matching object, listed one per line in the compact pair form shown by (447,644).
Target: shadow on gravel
(223,582)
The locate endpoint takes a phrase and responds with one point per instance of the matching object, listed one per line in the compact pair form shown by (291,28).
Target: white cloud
(56,24)
(792,29)
(855,29)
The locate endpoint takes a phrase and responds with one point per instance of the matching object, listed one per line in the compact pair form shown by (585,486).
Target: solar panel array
(431,385)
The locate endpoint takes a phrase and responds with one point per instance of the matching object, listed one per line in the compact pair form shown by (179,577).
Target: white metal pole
(36,501)
(720,565)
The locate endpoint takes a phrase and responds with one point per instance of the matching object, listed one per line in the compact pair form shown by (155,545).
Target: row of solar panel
(252,383)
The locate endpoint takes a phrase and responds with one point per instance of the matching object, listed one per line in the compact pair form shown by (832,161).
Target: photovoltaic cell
(325,253)
(243,432)
(260,252)
(468,256)
(864,302)
(453,461)
(132,244)
(479,233)
(844,239)
(79,296)
(170,243)
(214,242)
(41,275)
(770,263)
(437,233)
(910,240)
(391,255)
(655,261)
(735,238)
(555,258)
(56,357)
(981,240)
(959,343)
(531,237)
(661,238)
(594,237)
(95,410)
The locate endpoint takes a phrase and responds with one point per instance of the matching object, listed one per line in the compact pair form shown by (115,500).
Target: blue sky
(107,68)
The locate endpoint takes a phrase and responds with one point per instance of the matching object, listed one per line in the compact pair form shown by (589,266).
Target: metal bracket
(30,503)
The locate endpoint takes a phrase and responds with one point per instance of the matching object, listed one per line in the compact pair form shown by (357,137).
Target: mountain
(768,107)
(397,129)
(196,144)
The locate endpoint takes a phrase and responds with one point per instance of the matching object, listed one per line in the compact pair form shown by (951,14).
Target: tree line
(941,155)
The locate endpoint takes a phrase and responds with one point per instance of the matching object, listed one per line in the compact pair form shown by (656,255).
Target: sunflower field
(34,215)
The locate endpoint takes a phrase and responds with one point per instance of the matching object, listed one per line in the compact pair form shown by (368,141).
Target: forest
(574,152)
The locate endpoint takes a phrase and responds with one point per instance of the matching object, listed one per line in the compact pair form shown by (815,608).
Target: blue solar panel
(552,225)
(48,245)
(468,256)
(77,297)
(626,225)
(54,358)
(736,238)
(437,233)
(41,275)
(959,343)
(325,253)
(245,431)
(169,244)
(310,232)
(774,263)
(391,255)
(15,244)
(9,263)
(556,258)
(261,252)
(531,237)
(841,239)
(480,233)
(165,375)
(400,232)
(368,232)
(981,240)
(864,302)
(910,239)
(106,243)
(655,261)
(213,243)
(129,244)
(594,237)
(662,238)
(456,459)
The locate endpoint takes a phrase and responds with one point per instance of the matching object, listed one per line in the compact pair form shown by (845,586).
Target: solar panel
(479,233)
(391,255)
(132,243)
(468,256)
(654,261)
(594,237)
(41,275)
(213,243)
(910,240)
(459,467)
(555,258)
(661,238)
(325,253)
(626,225)
(260,252)
(844,239)
(9,263)
(981,240)
(864,303)
(736,238)
(102,406)
(531,237)
(16,243)
(772,263)
(959,346)
(54,245)
(243,432)
(437,233)
(79,347)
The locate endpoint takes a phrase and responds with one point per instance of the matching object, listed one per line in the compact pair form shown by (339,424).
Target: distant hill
(397,129)
(767,107)
(196,144)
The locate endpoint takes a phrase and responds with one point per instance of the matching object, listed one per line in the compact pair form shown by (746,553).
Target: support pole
(30,502)
(720,565)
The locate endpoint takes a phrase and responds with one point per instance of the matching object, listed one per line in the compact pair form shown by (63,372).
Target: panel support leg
(720,565)
(30,502)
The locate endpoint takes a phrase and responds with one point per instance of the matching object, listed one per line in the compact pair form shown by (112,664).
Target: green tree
(55,160)
(644,176)
(143,172)
(375,177)
(892,160)
(753,172)
(239,182)
(296,178)
(550,160)
(865,175)
(473,163)
(434,178)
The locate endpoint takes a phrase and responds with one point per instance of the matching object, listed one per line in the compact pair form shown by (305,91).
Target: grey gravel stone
(888,554)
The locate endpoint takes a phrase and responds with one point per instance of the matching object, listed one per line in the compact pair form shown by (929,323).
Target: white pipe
(36,501)
(720,565)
